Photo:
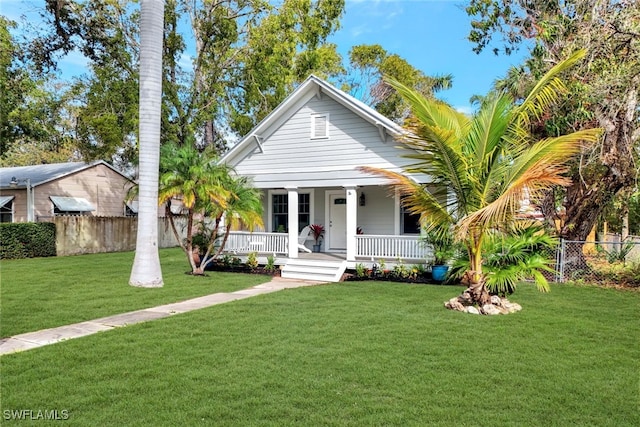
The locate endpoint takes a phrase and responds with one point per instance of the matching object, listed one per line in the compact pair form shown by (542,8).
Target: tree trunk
(479,292)
(146,270)
(585,201)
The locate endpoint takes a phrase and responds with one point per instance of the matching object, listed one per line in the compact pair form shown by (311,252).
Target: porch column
(352,219)
(292,193)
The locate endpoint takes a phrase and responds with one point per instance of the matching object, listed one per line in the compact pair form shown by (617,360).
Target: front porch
(363,225)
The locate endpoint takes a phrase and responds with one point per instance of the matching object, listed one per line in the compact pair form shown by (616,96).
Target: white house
(304,157)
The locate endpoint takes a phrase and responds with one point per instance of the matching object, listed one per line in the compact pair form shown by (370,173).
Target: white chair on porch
(302,237)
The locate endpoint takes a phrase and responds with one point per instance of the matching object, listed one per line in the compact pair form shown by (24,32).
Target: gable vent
(320,126)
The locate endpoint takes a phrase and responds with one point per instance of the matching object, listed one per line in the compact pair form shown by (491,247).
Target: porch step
(320,270)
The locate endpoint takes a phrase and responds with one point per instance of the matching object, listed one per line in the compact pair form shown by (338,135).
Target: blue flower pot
(439,272)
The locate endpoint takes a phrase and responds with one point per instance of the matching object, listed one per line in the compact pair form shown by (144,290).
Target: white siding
(291,157)
(377,216)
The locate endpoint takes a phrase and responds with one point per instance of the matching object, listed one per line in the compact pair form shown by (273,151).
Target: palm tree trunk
(477,286)
(146,271)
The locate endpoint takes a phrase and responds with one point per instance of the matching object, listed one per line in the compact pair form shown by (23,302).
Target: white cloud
(186,61)
(465,109)
(73,64)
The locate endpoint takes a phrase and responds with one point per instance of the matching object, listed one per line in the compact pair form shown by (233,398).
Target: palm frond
(435,134)
(415,197)
(546,91)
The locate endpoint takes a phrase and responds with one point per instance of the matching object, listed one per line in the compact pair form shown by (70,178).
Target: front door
(338,221)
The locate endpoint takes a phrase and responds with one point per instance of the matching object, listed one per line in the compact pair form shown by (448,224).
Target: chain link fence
(609,260)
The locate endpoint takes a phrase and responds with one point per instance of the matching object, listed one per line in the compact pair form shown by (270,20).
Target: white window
(279,210)
(319,126)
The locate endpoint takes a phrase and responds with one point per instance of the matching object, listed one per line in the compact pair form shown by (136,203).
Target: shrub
(630,276)
(618,251)
(400,270)
(271,264)
(226,260)
(27,240)
(252,260)
(361,271)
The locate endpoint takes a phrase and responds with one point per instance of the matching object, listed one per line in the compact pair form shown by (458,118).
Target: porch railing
(245,242)
(383,246)
(367,245)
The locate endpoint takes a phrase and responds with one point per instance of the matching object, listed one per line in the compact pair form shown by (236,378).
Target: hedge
(27,240)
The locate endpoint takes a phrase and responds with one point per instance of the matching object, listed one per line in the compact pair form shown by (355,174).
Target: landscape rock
(497,305)
(472,310)
(512,306)
(454,304)
(466,298)
(490,309)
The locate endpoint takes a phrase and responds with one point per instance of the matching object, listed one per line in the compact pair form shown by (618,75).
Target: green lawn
(46,292)
(351,354)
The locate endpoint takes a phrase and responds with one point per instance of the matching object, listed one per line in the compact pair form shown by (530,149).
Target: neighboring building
(304,157)
(40,192)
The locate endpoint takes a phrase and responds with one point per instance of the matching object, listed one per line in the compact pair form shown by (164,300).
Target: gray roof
(40,174)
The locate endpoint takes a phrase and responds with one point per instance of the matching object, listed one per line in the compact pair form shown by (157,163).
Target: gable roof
(313,85)
(41,174)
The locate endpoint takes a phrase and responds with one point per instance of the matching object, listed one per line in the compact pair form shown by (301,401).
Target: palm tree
(243,209)
(198,181)
(512,256)
(488,163)
(146,271)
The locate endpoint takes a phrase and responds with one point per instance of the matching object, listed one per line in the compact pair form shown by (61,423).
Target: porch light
(363,199)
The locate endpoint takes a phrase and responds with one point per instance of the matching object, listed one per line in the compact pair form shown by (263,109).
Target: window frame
(271,214)
(403,215)
(314,118)
(7,211)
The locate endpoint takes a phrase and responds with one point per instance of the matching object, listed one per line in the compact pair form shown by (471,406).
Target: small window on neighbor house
(131,208)
(6,211)
(319,126)
(71,206)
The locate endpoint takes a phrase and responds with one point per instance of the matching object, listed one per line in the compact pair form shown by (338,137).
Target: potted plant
(441,241)
(318,233)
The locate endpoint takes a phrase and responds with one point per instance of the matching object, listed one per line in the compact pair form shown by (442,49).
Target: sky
(432,36)
(429,34)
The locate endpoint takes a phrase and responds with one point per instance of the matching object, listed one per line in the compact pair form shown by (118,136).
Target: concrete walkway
(44,337)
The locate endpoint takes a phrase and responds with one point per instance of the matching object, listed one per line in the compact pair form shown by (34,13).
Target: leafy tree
(107,121)
(36,123)
(146,271)
(488,162)
(287,45)
(604,91)
(371,62)
(249,54)
(12,79)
